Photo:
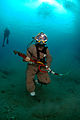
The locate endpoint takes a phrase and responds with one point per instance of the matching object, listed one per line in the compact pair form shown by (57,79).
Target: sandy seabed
(59,100)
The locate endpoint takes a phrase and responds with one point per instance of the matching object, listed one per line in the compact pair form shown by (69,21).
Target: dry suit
(32,69)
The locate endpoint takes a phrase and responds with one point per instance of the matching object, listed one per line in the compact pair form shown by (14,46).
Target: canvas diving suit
(32,69)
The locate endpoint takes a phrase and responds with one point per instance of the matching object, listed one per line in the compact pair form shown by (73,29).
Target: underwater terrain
(60,21)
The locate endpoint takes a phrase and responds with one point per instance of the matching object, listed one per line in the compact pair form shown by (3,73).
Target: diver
(6,36)
(40,52)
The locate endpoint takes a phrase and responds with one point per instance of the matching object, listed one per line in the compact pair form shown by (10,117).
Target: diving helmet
(41,39)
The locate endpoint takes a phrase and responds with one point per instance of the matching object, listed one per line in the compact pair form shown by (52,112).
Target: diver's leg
(3,42)
(30,79)
(7,40)
(43,78)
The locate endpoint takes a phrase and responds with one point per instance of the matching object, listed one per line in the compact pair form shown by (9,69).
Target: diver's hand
(27,59)
(47,67)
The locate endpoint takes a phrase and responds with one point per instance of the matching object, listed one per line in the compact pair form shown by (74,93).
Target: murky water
(60,20)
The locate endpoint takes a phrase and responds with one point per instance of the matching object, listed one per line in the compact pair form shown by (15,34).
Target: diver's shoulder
(32,46)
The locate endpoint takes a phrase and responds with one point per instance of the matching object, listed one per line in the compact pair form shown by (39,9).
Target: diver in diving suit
(41,53)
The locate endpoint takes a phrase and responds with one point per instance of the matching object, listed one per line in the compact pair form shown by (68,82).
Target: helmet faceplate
(41,38)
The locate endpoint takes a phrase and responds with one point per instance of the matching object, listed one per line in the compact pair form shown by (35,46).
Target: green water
(60,100)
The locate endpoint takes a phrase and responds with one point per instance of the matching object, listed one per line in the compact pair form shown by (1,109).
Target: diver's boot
(36,81)
(32,94)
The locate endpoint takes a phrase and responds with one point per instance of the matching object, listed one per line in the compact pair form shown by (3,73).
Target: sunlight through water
(53,3)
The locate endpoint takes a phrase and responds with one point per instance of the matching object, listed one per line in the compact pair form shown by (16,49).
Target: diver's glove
(49,69)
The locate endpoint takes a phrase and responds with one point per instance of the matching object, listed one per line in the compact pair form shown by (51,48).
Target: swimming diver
(6,36)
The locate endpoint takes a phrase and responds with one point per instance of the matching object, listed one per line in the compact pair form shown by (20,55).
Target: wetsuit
(6,36)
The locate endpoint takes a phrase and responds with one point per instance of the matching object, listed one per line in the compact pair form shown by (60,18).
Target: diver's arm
(28,55)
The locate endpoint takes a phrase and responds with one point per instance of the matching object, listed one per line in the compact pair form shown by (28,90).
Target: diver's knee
(47,81)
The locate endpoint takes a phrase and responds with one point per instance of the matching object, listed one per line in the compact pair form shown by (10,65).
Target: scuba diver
(37,51)
(6,36)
